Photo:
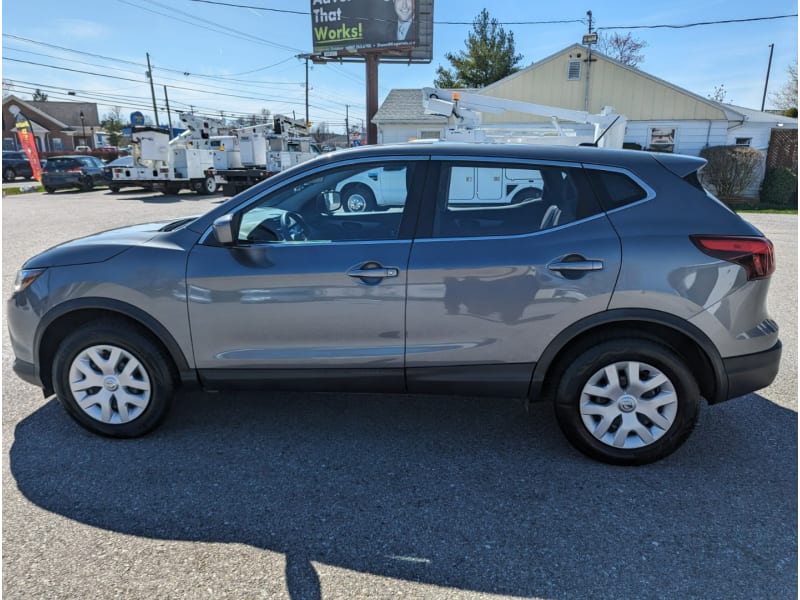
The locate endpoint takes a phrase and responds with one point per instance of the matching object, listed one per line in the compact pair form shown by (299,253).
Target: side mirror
(223,230)
(332,200)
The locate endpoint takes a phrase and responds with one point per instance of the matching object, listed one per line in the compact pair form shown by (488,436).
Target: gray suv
(621,291)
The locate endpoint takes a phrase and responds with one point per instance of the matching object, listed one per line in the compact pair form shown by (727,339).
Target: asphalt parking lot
(340,496)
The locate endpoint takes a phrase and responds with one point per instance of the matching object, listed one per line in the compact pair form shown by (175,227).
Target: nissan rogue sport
(620,290)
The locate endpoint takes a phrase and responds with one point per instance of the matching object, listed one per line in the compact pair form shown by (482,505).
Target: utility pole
(588,65)
(169,115)
(306,57)
(152,89)
(347,123)
(766,82)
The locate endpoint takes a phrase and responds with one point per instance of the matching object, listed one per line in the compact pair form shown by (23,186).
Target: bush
(731,169)
(780,187)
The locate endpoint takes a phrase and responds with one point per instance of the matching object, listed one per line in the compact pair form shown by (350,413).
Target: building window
(9,144)
(57,144)
(430,134)
(574,70)
(743,141)
(662,139)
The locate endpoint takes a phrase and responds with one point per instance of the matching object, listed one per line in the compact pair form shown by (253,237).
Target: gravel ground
(303,496)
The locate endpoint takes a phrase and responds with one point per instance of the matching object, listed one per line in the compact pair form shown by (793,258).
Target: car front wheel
(9,174)
(113,380)
(627,401)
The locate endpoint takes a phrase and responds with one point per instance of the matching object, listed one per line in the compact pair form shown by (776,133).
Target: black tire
(664,375)
(49,189)
(358,198)
(9,174)
(171,189)
(144,409)
(87,184)
(114,189)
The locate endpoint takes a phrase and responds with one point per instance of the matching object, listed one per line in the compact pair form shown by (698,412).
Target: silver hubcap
(628,404)
(109,384)
(356,203)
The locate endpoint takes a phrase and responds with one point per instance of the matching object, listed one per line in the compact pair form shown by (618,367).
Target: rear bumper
(753,371)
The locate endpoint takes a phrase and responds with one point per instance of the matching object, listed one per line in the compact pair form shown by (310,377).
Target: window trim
(650,144)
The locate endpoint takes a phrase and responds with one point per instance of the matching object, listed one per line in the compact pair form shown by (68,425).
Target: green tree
(490,56)
(112,124)
(39,96)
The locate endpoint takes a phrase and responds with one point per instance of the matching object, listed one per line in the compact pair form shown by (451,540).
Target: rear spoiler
(679,164)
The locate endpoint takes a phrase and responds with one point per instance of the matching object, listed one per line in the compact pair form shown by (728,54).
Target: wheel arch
(59,322)
(701,356)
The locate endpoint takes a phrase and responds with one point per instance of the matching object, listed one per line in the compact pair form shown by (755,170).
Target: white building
(661,116)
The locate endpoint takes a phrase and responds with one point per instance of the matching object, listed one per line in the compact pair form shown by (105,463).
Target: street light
(83,130)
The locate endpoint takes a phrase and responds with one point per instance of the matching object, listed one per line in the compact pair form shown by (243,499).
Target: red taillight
(755,254)
(75,170)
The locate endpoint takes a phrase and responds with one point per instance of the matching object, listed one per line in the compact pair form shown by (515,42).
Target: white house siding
(394,133)
(691,136)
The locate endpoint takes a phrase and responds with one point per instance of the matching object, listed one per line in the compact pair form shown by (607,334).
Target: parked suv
(16,164)
(623,293)
(64,172)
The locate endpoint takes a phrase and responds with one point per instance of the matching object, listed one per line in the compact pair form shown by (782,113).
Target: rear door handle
(381,272)
(576,265)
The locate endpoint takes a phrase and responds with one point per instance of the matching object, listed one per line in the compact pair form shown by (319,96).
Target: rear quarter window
(616,189)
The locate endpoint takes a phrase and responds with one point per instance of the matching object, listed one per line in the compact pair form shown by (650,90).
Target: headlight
(25,277)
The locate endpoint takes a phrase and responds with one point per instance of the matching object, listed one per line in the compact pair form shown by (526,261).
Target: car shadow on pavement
(456,492)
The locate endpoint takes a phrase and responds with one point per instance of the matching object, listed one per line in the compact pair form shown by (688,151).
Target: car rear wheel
(49,189)
(114,189)
(113,380)
(87,184)
(9,174)
(627,401)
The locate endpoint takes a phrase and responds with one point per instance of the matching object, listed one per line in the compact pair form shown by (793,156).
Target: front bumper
(27,372)
(752,372)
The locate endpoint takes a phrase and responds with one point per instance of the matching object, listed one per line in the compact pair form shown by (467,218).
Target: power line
(700,23)
(550,22)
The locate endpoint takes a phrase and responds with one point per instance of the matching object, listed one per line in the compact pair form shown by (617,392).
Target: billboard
(398,29)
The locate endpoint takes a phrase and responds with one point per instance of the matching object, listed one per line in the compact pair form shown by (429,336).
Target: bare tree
(786,97)
(623,48)
(720,94)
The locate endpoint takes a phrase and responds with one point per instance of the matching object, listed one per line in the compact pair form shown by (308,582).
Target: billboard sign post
(372,31)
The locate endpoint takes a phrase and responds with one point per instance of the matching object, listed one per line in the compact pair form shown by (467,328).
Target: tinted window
(373,200)
(496,200)
(61,164)
(615,189)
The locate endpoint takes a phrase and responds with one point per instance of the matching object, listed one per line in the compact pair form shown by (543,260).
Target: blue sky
(239,60)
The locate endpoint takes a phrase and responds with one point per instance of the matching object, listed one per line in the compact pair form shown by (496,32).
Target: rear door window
(477,199)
